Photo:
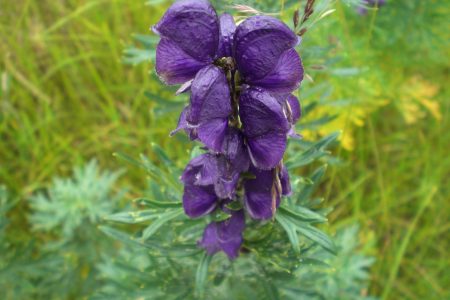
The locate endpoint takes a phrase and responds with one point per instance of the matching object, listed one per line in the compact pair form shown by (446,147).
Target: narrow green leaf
(160,221)
(154,203)
(118,235)
(317,236)
(316,151)
(316,123)
(176,250)
(162,156)
(314,262)
(307,230)
(290,230)
(129,159)
(133,217)
(201,275)
(307,189)
(303,214)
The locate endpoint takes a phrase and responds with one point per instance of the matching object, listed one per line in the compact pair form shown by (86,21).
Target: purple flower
(224,236)
(189,33)
(265,126)
(241,108)
(265,54)
(262,194)
(209,178)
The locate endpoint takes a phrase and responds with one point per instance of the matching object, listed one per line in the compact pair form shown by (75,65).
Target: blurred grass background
(66,96)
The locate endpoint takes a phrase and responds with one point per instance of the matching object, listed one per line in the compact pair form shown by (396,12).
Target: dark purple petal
(259,43)
(227,29)
(201,170)
(285,76)
(224,236)
(193,25)
(210,239)
(261,196)
(266,151)
(225,186)
(183,125)
(198,200)
(212,169)
(212,132)
(285,182)
(265,127)
(210,106)
(235,150)
(173,65)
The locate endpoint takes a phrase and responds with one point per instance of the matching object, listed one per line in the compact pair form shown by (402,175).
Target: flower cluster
(240,80)
(362,10)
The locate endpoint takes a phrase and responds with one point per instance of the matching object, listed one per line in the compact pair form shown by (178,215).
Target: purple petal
(285,76)
(224,236)
(259,43)
(173,65)
(198,200)
(265,127)
(201,170)
(212,133)
(183,124)
(261,197)
(267,151)
(193,25)
(235,150)
(261,113)
(227,29)
(225,187)
(285,182)
(210,239)
(210,106)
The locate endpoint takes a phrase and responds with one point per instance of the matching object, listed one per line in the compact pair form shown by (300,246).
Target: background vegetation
(66,97)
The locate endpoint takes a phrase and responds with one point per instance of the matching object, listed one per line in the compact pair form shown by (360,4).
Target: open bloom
(210,178)
(263,193)
(189,32)
(224,236)
(264,50)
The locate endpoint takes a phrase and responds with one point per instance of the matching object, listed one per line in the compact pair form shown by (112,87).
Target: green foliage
(325,276)
(63,264)
(70,204)
(277,247)
(317,275)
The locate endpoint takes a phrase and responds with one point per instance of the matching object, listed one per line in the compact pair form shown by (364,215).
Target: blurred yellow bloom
(415,95)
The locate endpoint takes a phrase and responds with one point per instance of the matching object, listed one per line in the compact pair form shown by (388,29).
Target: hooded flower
(224,236)
(189,32)
(265,127)
(209,178)
(264,50)
(263,193)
